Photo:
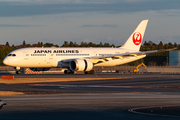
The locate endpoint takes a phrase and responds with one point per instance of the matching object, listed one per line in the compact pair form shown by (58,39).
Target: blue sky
(112,21)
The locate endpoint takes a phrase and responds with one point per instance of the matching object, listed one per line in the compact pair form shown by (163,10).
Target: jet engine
(39,69)
(81,65)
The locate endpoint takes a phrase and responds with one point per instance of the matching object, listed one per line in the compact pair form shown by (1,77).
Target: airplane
(79,59)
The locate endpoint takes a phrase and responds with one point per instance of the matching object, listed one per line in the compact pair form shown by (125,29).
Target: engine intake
(81,65)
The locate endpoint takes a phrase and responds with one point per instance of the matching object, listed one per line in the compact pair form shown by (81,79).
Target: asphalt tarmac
(146,96)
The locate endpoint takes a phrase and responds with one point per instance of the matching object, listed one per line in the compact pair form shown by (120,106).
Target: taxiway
(96,99)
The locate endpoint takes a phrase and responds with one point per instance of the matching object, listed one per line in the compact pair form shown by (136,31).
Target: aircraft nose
(6,61)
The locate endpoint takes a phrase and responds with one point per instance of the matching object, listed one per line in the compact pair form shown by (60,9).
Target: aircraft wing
(131,54)
(155,51)
(105,56)
(122,55)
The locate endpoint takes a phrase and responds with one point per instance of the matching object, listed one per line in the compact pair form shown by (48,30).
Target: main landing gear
(72,72)
(68,72)
(89,72)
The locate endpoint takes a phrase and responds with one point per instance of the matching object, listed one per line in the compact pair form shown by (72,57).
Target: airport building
(174,58)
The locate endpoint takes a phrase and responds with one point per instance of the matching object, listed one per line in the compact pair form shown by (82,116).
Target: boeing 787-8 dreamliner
(80,59)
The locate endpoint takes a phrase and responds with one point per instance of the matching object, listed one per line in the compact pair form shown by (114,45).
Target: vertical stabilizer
(135,40)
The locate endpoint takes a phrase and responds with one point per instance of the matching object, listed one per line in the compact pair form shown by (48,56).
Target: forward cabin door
(26,55)
(26,58)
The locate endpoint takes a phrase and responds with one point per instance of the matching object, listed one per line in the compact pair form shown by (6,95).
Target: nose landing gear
(17,70)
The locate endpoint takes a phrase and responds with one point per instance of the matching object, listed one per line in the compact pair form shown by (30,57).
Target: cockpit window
(12,55)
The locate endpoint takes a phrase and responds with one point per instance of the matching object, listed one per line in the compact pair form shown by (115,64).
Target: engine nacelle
(40,69)
(81,65)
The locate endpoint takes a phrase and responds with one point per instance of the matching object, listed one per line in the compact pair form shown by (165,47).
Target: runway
(97,99)
(103,75)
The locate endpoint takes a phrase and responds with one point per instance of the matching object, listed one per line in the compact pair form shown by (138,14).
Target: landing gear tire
(18,72)
(72,72)
(89,72)
(65,71)
(68,72)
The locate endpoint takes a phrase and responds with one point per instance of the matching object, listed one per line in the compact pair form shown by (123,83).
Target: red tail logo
(137,38)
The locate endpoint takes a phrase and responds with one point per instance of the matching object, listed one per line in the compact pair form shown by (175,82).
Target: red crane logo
(137,38)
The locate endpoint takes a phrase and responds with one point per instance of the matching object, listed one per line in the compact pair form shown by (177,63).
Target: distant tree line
(85,44)
(151,59)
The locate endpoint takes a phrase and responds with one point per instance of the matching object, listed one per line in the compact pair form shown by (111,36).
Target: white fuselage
(54,57)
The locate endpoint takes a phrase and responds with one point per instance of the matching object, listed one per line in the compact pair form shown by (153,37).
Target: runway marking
(40,80)
(90,86)
(133,110)
(79,86)
(5,93)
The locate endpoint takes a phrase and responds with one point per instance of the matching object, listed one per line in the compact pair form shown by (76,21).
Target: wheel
(68,72)
(18,72)
(71,72)
(65,72)
(89,72)
(92,72)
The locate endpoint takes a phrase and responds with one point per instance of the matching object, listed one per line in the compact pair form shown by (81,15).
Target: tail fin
(135,40)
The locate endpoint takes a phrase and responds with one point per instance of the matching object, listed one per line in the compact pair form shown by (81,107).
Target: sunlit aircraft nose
(6,61)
